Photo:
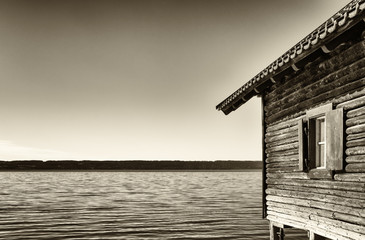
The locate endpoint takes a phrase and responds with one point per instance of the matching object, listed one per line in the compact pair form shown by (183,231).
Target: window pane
(320,142)
(321,155)
(321,129)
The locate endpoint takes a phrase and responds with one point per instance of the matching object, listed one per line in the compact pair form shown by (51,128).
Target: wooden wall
(334,208)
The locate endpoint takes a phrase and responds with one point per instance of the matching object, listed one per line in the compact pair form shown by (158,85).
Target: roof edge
(343,20)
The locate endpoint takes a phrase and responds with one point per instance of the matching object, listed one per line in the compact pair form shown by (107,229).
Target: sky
(137,79)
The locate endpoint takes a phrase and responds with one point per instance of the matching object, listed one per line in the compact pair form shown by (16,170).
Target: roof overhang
(323,39)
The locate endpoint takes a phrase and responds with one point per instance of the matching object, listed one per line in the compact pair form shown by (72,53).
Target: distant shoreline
(131,165)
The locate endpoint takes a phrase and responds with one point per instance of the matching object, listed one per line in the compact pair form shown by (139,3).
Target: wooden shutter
(311,144)
(334,139)
(302,139)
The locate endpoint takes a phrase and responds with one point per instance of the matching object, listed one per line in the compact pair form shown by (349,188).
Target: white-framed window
(321,139)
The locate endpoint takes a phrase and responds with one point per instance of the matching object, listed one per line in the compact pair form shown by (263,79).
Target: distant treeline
(128,165)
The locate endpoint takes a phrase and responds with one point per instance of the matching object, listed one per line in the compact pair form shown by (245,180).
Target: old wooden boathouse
(313,100)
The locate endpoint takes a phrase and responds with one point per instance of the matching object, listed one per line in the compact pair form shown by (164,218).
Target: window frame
(308,138)
(320,132)
(312,116)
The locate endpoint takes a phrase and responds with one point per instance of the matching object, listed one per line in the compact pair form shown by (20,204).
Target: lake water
(131,205)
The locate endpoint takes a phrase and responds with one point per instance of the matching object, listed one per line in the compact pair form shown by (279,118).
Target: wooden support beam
(295,68)
(277,224)
(325,49)
(313,236)
(276,232)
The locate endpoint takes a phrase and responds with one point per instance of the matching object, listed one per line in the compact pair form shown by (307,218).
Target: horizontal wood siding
(334,208)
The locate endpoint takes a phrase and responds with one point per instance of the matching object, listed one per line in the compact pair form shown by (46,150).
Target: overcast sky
(139,79)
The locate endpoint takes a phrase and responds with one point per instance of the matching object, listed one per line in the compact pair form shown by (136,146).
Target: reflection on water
(131,205)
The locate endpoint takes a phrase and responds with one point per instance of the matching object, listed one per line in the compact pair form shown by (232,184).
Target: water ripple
(131,205)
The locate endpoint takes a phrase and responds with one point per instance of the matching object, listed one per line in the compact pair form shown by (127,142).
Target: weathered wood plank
(351,95)
(276,138)
(335,214)
(289,158)
(284,153)
(356,112)
(349,218)
(282,125)
(355,159)
(355,121)
(342,225)
(335,192)
(283,169)
(282,142)
(356,129)
(355,136)
(296,175)
(355,151)
(350,177)
(282,131)
(358,212)
(355,167)
(320,174)
(282,164)
(289,116)
(325,184)
(356,143)
(327,198)
(353,103)
(276,206)
(281,148)
(356,230)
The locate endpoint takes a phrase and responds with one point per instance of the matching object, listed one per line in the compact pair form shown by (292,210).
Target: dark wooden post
(264,184)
